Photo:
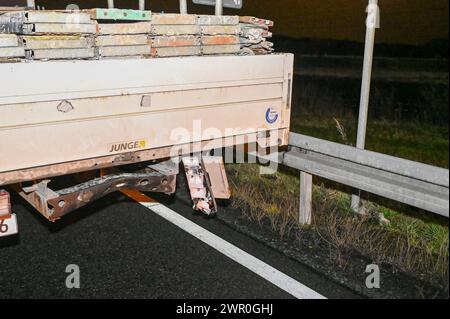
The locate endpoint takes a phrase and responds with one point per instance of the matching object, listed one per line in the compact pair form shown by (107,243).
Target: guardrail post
(306,186)
(183,7)
(110,4)
(372,23)
(219,7)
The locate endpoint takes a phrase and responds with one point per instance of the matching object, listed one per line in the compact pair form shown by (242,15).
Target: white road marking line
(250,262)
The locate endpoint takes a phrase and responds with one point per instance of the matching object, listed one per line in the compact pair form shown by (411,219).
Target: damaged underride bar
(56,204)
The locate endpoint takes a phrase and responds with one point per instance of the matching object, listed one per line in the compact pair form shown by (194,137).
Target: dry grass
(341,129)
(408,245)
(259,204)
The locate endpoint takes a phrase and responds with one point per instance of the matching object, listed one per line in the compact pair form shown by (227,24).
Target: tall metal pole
(372,23)
(141,4)
(219,7)
(31,4)
(111,4)
(183,7)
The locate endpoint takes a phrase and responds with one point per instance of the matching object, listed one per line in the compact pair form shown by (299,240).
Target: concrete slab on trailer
(175,41)
(61,28)
(61,54)
(50,17)
(176,51)
(8,40)
(220,40)
(119,40)
(174,19)
(124,50)
(57,42)
(221,49)
(12,52)
(218,20)
(124,28)
(220,29)
(173,30)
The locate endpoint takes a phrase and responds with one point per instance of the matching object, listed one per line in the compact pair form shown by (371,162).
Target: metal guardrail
(416,184)
(408,182)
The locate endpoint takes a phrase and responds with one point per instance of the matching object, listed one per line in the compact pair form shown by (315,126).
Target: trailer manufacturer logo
(271,115)
(127,146)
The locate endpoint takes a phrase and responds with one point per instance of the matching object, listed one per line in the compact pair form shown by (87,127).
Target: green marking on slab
(122,14)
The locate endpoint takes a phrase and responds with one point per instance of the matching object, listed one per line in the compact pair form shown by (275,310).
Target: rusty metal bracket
(56,204)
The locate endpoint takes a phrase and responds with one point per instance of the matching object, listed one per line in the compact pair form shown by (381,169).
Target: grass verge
(413,242)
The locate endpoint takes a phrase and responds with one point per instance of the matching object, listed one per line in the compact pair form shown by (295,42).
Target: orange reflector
(138,196)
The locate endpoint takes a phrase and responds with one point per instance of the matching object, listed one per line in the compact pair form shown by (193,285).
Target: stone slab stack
(129,38)
(219,34)
(175,35)
(117,33)
(49,35)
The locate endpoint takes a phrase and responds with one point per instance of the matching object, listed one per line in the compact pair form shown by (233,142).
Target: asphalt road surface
(124,250)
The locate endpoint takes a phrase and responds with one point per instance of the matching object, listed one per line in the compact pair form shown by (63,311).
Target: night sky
(402,21)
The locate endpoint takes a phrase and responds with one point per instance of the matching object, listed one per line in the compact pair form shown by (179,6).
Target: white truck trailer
(66,117)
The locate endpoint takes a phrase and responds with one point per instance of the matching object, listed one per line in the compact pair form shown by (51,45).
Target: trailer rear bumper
(67,168)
